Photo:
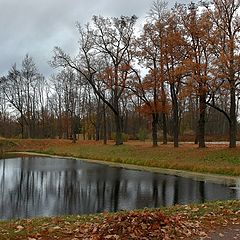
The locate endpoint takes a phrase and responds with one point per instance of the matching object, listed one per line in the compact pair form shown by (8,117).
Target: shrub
(142,134)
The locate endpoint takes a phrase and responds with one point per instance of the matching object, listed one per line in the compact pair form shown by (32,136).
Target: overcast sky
(36,26)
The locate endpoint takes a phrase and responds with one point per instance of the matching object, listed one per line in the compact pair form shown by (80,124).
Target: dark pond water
(38,186)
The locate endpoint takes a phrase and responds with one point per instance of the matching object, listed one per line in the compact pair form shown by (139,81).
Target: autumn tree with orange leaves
(197,33)
(225,17)
(151,87)
(174,54)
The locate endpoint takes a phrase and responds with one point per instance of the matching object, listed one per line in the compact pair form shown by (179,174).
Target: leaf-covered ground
(200,221)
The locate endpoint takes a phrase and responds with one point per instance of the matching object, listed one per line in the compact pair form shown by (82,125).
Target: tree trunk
(104,125)
(84,129)
(233,120)
(22,127)
(201,122)
(60,122)
(164,120)
(154,129)
(164,128)
(74,129)
(118,129)
(27,127)
(175,116)
(196,140)
(97,130)
(175,125)
(98,120)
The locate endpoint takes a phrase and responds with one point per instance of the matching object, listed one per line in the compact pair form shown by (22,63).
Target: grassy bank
(216,159)
(178,222)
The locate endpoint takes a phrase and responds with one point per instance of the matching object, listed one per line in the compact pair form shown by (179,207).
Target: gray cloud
(36,26)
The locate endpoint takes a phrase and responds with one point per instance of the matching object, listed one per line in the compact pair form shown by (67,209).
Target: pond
(42,186)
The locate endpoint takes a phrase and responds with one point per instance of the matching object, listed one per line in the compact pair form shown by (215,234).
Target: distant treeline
(178,77)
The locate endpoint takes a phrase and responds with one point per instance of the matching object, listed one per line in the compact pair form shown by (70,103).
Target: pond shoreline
(201,219)
(215,178)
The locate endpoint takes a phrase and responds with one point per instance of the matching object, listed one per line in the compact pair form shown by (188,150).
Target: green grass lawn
(216,159)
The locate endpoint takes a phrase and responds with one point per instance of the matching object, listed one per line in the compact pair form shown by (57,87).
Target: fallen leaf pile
(127,225)
(179,222)
(133,225)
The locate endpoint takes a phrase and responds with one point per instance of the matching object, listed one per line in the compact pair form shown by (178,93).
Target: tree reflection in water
(37,186)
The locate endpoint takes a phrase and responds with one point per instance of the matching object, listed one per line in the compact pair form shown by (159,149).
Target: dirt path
(231,232)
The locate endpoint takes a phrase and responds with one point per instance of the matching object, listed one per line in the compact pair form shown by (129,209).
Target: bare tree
(21,88)
(107,39)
